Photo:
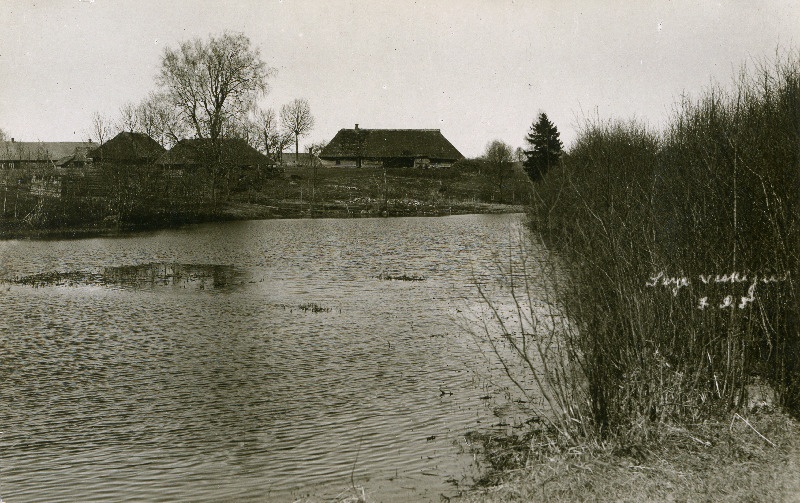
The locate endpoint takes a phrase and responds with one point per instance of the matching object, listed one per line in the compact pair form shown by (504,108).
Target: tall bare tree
(296,118)
(213,82)
(3,135)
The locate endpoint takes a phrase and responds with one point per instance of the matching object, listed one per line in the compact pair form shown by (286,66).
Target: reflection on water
(199,276)
(291,369)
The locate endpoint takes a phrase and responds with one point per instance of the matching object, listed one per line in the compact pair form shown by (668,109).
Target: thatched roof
(195,152)
(42,150)
(128,147)
(390,143)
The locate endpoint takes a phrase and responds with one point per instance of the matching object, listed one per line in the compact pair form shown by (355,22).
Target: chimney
(12,139)
(356,127)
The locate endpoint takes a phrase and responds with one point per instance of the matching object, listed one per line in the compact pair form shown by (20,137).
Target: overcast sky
(476,69)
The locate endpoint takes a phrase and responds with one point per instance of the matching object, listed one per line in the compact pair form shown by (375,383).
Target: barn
(192,153)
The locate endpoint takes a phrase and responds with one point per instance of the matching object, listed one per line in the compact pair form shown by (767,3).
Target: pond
(251,361)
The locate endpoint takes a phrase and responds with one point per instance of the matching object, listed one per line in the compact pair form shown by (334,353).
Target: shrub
(652,227)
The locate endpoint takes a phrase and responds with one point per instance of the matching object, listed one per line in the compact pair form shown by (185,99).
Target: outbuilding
(128,148)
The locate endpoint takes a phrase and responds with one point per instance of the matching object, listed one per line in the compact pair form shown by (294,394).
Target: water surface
(247,361)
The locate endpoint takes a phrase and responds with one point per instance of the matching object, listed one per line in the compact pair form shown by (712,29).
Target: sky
(479,70)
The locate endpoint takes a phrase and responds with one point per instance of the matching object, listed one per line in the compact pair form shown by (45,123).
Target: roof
(128,147)
(191,152)
(81,155)
(390,143)
(42,150)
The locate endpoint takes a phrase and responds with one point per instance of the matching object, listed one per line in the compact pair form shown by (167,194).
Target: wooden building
(390,148)
(128,148)
(245,166)
(41,168)
(22,154)
(193,153)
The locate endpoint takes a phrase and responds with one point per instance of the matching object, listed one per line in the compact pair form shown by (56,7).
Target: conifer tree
(545,148)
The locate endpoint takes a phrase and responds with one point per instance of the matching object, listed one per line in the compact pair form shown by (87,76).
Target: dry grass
(704,462)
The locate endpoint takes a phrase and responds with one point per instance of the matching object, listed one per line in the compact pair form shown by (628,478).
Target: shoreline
(752,458)
(241,211)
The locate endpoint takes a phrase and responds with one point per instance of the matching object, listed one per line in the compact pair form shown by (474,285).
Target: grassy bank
(713,461)
(148,200)
(468,186)
(680,258)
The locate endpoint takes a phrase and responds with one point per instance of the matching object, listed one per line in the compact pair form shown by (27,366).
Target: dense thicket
(683,254)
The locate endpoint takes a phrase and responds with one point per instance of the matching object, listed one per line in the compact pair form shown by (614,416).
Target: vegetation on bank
(123,198)
(672,308)
(713,461)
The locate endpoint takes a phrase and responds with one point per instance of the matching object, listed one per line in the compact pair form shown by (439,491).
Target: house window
(338,162)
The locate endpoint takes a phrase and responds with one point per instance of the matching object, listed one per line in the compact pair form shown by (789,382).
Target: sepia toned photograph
(399,251)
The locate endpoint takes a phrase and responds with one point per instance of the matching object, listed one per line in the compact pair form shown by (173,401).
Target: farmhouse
(390,148)
(128,148)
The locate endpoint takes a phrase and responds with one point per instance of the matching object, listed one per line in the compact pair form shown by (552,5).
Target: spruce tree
(545,148)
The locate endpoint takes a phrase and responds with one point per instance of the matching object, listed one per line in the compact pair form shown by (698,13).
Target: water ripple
(125,380)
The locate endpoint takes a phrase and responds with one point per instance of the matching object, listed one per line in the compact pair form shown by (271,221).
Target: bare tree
(214,85)
(3,135)
(128,118)
(101,128)
(313,151)
(499,157)
(213,82)
(160,120)
(296,118)
(267,135)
